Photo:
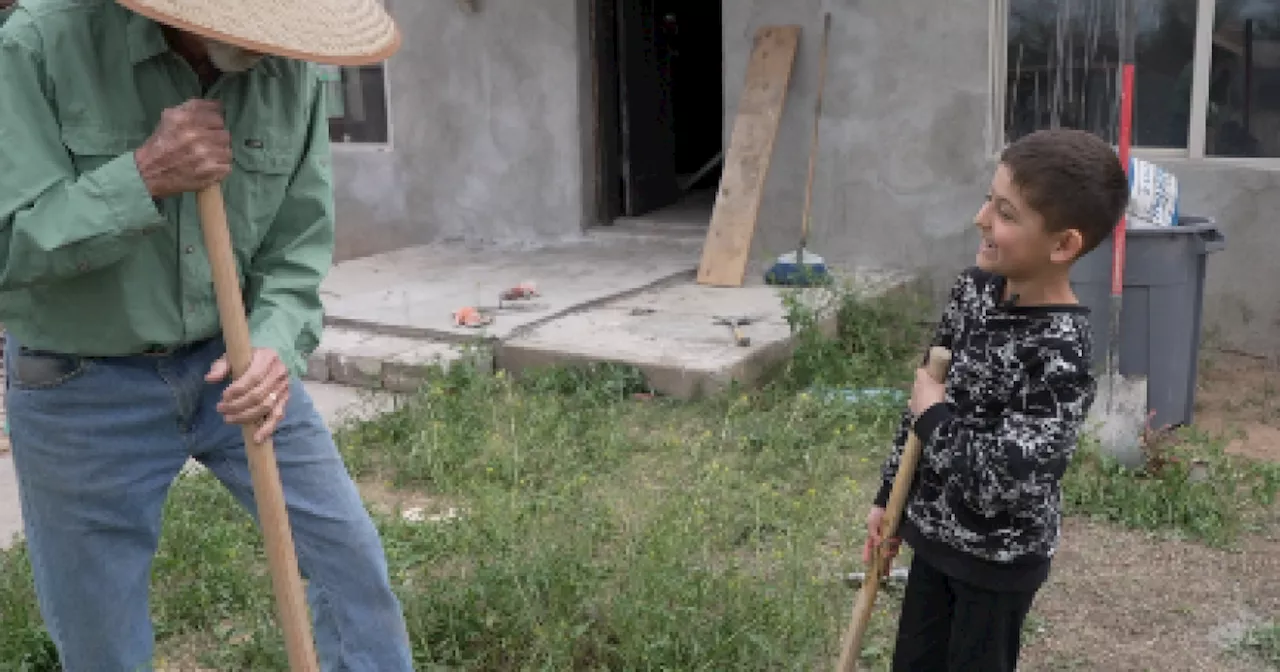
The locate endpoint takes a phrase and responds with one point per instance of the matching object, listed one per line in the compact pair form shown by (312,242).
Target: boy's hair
(1073,179)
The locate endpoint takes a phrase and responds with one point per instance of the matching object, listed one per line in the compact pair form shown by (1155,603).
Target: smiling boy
(984,512)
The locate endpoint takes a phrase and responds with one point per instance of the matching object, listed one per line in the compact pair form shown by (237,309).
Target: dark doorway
(659,86)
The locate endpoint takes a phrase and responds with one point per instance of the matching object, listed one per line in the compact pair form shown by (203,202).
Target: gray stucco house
(535,120)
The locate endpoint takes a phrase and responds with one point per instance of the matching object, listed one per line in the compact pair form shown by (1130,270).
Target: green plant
(1263,643)
(1190,486)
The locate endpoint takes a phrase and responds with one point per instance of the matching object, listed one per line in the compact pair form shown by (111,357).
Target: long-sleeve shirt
(985,504)
(90,263)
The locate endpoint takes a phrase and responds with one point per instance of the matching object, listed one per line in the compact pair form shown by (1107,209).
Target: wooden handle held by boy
(939,362)
(267,489)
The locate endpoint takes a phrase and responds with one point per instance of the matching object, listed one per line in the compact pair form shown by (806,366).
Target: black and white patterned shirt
(986,503)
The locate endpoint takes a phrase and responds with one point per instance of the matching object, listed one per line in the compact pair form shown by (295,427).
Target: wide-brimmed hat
(332,32)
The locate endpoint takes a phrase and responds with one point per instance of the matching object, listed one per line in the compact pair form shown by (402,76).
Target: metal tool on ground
(267,490)
(519,297)
(736,323)
(939,362)
(801,267)
(1123,403)
(521,292)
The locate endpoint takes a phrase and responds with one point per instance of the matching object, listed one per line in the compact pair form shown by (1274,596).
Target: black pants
(950,626)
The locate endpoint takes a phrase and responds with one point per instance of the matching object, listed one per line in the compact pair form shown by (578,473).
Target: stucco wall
(492,120)
(902,165)
(1242,285)
(486,110)
(904,159)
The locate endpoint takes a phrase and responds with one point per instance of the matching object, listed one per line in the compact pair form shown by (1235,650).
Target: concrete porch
(625,294)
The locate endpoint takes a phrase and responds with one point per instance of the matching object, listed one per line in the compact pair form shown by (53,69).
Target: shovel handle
(267,492)
(939,361)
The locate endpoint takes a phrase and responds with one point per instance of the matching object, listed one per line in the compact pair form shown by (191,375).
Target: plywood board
(733,219)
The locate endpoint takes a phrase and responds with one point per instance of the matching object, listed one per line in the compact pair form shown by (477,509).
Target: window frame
(998,49)
(384,71)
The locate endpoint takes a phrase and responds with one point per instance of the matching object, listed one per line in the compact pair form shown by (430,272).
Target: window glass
(356,99)
(1243,118)
(1063,68)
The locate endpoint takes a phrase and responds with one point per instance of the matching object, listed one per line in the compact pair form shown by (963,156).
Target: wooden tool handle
(267,491)
(813,147)
(939,361)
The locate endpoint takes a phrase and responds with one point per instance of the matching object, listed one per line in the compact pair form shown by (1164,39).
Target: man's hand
(925,393)
(890,550)
(190,150)
(260,395)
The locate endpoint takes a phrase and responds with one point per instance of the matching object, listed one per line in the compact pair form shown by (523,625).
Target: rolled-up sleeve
(283,285)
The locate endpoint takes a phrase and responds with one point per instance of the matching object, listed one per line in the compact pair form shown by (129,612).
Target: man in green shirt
(110,122)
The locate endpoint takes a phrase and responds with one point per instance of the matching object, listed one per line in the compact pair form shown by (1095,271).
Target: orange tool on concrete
(939,362)
(470,316)
(267,492)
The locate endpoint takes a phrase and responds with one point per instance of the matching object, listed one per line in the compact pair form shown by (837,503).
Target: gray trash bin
(1160,312)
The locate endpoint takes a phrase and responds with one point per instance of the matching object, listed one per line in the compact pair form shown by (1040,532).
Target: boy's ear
(1069,245)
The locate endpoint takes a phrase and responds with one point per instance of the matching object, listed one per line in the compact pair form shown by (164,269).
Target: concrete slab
(379,361)
(414,292)
(670,334)
(340,404)
(10,511)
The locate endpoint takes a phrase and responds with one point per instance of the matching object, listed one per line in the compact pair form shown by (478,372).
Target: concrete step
(367,359)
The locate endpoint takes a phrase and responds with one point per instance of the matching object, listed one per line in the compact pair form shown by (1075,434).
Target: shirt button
(82,266)
(191,248)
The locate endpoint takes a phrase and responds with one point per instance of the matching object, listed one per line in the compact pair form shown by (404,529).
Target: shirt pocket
(91,147)
(256,189)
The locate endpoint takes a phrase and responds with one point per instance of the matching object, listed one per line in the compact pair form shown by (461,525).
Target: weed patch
(598,527)
(1263,643)
(1190,487)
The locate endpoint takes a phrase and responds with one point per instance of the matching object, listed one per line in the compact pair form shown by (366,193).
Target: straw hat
(332,32)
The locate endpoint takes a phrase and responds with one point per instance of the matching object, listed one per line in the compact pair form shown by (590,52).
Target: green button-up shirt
(90,264)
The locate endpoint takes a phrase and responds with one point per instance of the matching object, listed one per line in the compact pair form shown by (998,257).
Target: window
(357,99)
(1243,110)
(1206,72)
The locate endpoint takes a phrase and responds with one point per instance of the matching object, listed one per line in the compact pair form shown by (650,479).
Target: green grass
(1263,643)
(1230,495)
(600,528)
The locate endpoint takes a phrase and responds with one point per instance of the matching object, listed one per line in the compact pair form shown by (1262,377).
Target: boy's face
(1015,242)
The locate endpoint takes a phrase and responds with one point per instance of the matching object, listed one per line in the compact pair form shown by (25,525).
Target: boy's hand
(890,550)
(925,393)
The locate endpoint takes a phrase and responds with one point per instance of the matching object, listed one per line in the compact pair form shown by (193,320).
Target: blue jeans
(96,445)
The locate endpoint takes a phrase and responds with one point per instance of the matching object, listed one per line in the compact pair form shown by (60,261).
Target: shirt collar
(146,41)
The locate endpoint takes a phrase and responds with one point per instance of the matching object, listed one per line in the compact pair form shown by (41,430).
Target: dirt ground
(1239,395)
(1121,600)
(1124,600)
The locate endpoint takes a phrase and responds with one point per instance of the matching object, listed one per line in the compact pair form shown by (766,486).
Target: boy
(984,512)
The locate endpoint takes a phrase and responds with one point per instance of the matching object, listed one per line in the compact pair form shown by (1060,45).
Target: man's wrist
(151,177)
